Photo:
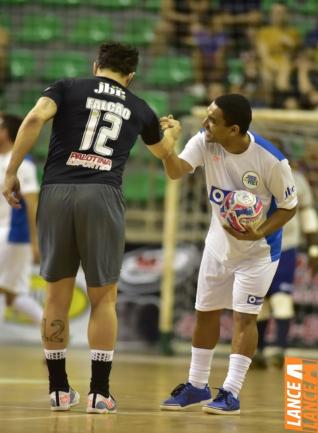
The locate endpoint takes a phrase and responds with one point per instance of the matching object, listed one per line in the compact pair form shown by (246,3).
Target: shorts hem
(242,310)
(51,279)
(214,308)
(103,283)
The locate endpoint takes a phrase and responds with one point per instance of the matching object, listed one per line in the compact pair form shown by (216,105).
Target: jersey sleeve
(27,177)
(151,132)
(55,91)
(193,153)
(282,185)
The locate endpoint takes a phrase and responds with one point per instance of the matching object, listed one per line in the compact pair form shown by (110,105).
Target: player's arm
(31,201)
(282,185)
(175,167)
(26,138)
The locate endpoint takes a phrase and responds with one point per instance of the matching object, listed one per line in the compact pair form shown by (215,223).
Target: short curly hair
(118,57)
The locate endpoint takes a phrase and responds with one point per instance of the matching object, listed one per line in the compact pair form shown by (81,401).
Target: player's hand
(169,123)
(251,234)
(11,190)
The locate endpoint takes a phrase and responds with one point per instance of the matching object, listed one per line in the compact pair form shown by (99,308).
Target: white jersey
(261,169)
(14,222)
(292,231)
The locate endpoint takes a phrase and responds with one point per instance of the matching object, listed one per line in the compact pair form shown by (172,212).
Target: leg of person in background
(24,303)
(102,334)
(259,360)
(283,311)
(55,332)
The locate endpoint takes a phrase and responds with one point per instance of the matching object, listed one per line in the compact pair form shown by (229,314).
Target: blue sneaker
(224,404)
(185,395)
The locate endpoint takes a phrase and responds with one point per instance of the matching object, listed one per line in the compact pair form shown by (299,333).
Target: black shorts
(81,224)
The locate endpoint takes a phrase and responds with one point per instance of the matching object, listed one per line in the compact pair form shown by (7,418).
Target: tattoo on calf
(55,336)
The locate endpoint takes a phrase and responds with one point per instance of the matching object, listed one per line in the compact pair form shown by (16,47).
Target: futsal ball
(241,209)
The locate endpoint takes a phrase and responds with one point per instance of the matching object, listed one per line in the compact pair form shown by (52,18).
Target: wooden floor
(139,383)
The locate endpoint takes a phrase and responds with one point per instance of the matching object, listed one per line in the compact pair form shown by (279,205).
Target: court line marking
(68,415)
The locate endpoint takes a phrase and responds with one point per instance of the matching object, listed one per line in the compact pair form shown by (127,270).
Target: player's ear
(130,77)
(235,130)
(95,67)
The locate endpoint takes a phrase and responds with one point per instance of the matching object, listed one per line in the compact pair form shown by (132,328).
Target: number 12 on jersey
(104,134)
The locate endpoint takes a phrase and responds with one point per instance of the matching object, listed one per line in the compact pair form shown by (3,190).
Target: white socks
(201,361)
(102,355)
(55,354)
(29,306)
(239,364)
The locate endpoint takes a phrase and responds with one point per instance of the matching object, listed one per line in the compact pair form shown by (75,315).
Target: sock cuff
(201,351)
(55,354)
(240,357)
(102,355)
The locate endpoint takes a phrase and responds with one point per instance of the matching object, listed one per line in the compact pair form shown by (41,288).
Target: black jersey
(97,123)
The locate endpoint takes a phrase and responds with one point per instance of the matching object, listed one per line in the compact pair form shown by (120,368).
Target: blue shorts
(284,277)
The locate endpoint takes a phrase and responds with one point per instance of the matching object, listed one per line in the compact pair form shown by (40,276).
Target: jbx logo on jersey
(217,195)
(290,190)
(108,89)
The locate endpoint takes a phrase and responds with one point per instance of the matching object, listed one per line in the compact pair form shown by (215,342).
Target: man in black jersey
(96,122)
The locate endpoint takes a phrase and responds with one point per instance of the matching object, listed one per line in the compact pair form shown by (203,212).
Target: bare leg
(102,333)
(102,327)
(55,326)
(207,329)
(244,341)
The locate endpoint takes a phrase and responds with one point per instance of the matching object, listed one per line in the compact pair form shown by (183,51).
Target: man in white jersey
(236,268)
(18,238)
(279,300)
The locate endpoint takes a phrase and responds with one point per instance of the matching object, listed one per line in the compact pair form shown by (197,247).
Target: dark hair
(11,123)
(118,57)
(236,110)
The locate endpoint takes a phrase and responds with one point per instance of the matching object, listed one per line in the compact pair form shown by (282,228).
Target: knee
(102,295)
(244,320)
(207,318)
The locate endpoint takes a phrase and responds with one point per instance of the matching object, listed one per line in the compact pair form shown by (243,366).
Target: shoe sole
(214,411)
(65,408)
(181,408)
(100,411)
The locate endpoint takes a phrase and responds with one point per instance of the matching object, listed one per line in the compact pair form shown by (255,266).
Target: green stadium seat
(235,70)
(304,6)
(14,2)
(22,64)
(115,4)
(170,71)
(186,103)
(139,32)
(91,30)
(140,186)
(67,64)
(5,21)
(26,101)
(152,5)
(40,29)
(158,101)
(267,5)
(61,2)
